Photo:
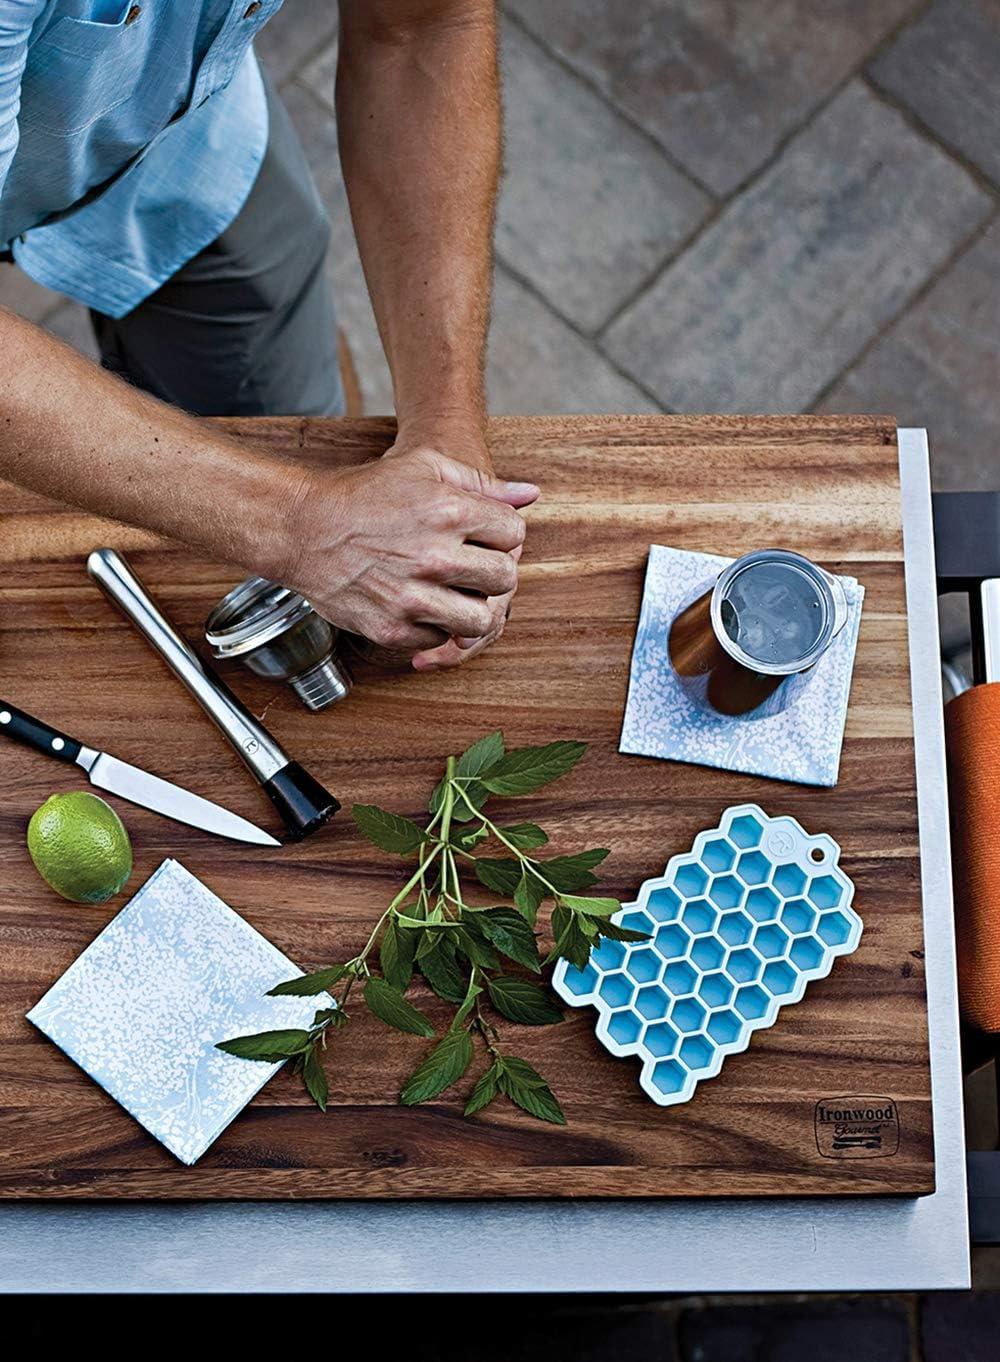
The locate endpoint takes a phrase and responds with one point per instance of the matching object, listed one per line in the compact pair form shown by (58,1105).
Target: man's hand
(403,551)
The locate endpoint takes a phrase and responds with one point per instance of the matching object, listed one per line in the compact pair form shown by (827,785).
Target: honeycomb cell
(825,891)
(751,1001)
(672,940)
(697,1052)
(735,928)
(789,880)
(716,989)
(699,916)
(617,989)
(770,941)
(744,965)
(724,1027)
(663,904)
(745,831)
(726,892)
(581,981)
(797,916)
(652,1002)
(660,1039)
(608,954)
(643,964)
(762,904)
(779,978)
(669,1076)
(806,952)
(625,1027)
(688,1014)
(833,928)
(691,880)
(638,921)
(753,867)
(680,977)
(708,952)
(718,855)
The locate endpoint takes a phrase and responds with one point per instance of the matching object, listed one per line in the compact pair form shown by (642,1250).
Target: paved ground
(779,205)
(784,205)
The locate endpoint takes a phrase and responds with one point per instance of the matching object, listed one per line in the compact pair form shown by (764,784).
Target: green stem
(526,862)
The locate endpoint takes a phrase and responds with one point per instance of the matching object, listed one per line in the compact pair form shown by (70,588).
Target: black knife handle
(14,723)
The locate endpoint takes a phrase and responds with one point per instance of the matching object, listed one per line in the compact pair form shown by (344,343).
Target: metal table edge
(841,1244)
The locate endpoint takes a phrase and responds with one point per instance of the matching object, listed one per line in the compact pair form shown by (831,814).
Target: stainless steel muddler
(300,799)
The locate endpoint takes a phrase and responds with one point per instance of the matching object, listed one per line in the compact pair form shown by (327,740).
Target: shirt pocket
(79,70)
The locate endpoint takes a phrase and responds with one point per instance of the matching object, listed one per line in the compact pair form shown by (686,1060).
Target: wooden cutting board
(826,486)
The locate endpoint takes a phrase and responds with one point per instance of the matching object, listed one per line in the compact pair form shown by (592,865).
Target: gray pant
(246,328)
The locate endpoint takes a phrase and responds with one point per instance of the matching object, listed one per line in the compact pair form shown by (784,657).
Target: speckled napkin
(802,744)
(141,1009)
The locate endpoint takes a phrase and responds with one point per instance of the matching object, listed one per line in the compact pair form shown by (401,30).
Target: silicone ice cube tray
(738,927)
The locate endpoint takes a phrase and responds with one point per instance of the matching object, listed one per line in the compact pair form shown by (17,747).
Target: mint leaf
(529,768)
(395,955)
(527,1088)
(389,1005)
(474,944)
(511,935)
(389,831)
(525,836)
(439,968)
(528,896)
(445,1065)
(571,943)
(474,759)
(522,1001)
(591,907)
(568,874)
(469,838)
(481,755)
(314,1077)
(308,985)
(616,933)
(484,1092)
(502,875)
(269,1047)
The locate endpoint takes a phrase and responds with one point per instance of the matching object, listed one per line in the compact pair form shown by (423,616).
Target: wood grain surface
(826,486)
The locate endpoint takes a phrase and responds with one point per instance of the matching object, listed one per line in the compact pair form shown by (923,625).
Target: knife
(130,782)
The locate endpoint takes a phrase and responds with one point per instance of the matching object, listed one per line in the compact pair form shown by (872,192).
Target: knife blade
(131,782)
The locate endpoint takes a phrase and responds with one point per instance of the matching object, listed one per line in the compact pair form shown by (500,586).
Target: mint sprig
(468,956)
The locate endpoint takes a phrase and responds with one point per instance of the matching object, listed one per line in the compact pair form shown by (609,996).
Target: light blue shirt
(130,136)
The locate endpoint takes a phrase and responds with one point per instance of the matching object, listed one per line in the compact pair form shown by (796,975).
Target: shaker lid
(252,614)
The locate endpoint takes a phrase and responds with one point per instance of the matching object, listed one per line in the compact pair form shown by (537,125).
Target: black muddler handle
(24,728)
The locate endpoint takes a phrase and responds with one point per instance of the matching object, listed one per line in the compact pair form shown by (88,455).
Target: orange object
(972,727)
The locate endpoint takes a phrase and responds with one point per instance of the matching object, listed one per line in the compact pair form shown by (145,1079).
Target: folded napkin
(801,744)
(142,1008)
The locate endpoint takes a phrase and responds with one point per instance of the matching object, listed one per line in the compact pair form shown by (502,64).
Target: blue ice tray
(738,926)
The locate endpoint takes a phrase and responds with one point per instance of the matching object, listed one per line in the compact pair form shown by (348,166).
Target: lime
(80,847)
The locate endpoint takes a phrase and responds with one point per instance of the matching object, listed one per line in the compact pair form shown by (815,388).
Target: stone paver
(938,367)
(766,307)
(718,84)
(864,1330)
(944,68)
(589,208)
(539,364)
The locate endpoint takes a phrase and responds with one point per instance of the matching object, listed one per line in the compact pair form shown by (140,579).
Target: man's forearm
(419,126)
(71,431)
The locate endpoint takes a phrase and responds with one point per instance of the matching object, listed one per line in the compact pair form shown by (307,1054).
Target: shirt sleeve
(16,20)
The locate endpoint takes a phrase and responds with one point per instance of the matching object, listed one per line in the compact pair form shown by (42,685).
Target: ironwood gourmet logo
(857,1127)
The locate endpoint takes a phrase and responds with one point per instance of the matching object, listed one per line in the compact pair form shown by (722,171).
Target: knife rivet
(4,716)
(57,744)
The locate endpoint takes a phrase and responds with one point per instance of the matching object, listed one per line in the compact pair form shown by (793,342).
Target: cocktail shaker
(747,643)
(276,633)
